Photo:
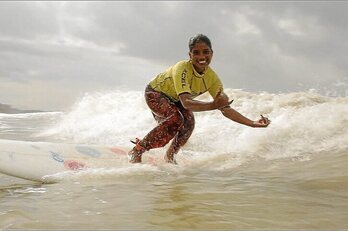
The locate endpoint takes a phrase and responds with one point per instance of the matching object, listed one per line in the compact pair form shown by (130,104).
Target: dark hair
(199,38)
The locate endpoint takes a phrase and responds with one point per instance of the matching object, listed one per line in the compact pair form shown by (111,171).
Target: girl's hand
(261,123)
(221,100)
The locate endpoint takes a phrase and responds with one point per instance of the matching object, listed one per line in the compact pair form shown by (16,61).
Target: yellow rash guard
(183,78)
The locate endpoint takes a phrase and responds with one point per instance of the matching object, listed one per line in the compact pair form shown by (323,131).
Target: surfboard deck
(35,160)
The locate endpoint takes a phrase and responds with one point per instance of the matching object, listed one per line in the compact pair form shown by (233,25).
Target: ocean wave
(302,123)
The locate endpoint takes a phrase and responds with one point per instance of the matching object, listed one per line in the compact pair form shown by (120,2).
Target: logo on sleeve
(183,78)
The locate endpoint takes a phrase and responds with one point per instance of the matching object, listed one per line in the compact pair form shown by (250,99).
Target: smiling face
(201,55)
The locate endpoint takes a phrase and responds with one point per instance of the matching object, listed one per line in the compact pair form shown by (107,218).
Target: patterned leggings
(174,121)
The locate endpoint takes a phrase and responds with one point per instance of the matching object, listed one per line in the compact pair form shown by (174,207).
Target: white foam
(302,123)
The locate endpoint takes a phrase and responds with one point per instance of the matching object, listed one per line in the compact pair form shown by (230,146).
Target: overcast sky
(51,53)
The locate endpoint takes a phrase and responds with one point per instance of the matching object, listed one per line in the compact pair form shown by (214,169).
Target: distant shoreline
(8,109)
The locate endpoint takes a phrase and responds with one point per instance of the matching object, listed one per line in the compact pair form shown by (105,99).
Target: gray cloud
(28,19)
(86,46)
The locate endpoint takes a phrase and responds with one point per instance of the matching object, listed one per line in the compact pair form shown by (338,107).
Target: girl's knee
(177,120)
(190,123)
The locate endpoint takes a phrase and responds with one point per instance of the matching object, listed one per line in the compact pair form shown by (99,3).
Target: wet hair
(199,38)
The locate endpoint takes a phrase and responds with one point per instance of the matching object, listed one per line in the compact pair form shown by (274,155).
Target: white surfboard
(35,160)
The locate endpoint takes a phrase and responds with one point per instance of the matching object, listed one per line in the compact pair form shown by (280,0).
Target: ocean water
(291,175)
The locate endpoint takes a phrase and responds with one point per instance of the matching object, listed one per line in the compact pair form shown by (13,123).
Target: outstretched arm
(232,114)
(221,103)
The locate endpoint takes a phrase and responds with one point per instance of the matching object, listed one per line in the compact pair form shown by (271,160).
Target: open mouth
(202,62)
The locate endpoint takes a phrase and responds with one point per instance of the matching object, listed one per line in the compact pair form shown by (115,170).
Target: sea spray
(303,123)
(105,118)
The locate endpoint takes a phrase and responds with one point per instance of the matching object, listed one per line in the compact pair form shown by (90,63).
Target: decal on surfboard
(68,164)
(88,151)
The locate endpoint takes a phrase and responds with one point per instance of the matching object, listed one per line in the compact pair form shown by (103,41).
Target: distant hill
(5,108)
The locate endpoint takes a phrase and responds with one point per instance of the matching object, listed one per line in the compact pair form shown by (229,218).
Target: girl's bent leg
(170,119)
(182,136)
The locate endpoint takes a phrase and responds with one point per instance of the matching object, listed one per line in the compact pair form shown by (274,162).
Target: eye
(195,52)
(206,52)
